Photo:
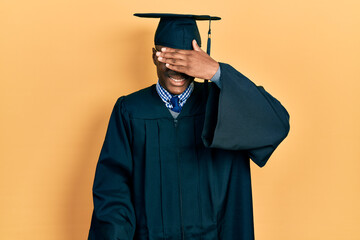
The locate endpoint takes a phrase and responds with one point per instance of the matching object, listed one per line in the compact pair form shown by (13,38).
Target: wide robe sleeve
(243,116)
(113,216)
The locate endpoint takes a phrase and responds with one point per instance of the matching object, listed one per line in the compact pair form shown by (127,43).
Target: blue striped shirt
(166,96)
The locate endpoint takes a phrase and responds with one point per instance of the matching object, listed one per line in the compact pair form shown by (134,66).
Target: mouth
(177,79)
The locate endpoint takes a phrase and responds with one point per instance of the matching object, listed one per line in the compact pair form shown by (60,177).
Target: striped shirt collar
(166,96)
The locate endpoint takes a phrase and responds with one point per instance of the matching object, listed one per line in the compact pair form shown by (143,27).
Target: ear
(154,55)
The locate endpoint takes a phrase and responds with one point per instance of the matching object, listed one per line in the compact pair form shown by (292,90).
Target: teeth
(178,80)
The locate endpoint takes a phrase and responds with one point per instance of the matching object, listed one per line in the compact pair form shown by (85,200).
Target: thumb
(195,46)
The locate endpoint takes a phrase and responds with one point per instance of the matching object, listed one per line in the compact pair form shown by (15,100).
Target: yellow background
(63,63)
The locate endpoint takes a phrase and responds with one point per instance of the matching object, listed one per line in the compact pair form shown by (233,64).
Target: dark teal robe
(189,178)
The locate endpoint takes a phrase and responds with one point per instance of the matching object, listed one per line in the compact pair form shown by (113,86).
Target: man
(175,163)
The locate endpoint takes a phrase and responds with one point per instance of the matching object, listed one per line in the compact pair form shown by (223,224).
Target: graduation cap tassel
(208,52)
(209,39)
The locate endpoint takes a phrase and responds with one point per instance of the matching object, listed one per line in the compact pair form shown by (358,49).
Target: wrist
(212,70)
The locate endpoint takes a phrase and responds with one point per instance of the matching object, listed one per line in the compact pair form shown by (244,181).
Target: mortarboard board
(178,30)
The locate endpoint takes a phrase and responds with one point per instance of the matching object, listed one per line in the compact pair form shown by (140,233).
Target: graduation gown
(189,178)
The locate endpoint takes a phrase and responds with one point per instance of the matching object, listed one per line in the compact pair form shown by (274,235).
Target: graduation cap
(178,30)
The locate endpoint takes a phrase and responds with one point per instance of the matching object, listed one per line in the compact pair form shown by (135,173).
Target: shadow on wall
(134,48)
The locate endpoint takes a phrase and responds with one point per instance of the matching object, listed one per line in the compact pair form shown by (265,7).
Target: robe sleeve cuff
(216,78)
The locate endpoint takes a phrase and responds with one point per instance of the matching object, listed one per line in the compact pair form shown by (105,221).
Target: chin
(176,91)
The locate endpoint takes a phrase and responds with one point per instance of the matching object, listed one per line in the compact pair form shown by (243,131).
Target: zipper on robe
(161,185)
(197,141)
(179,178)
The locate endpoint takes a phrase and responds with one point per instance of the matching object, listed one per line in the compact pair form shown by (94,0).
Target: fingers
(168,49)
(176,68)
(173,61)
(174,58)
(173,55)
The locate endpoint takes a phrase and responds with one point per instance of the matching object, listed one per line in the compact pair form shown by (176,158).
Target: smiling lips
(177,80)
(177,77)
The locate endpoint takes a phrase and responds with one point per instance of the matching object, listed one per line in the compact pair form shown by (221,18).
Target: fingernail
(160,58)
(167,65)
(163,49)
(157,53)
